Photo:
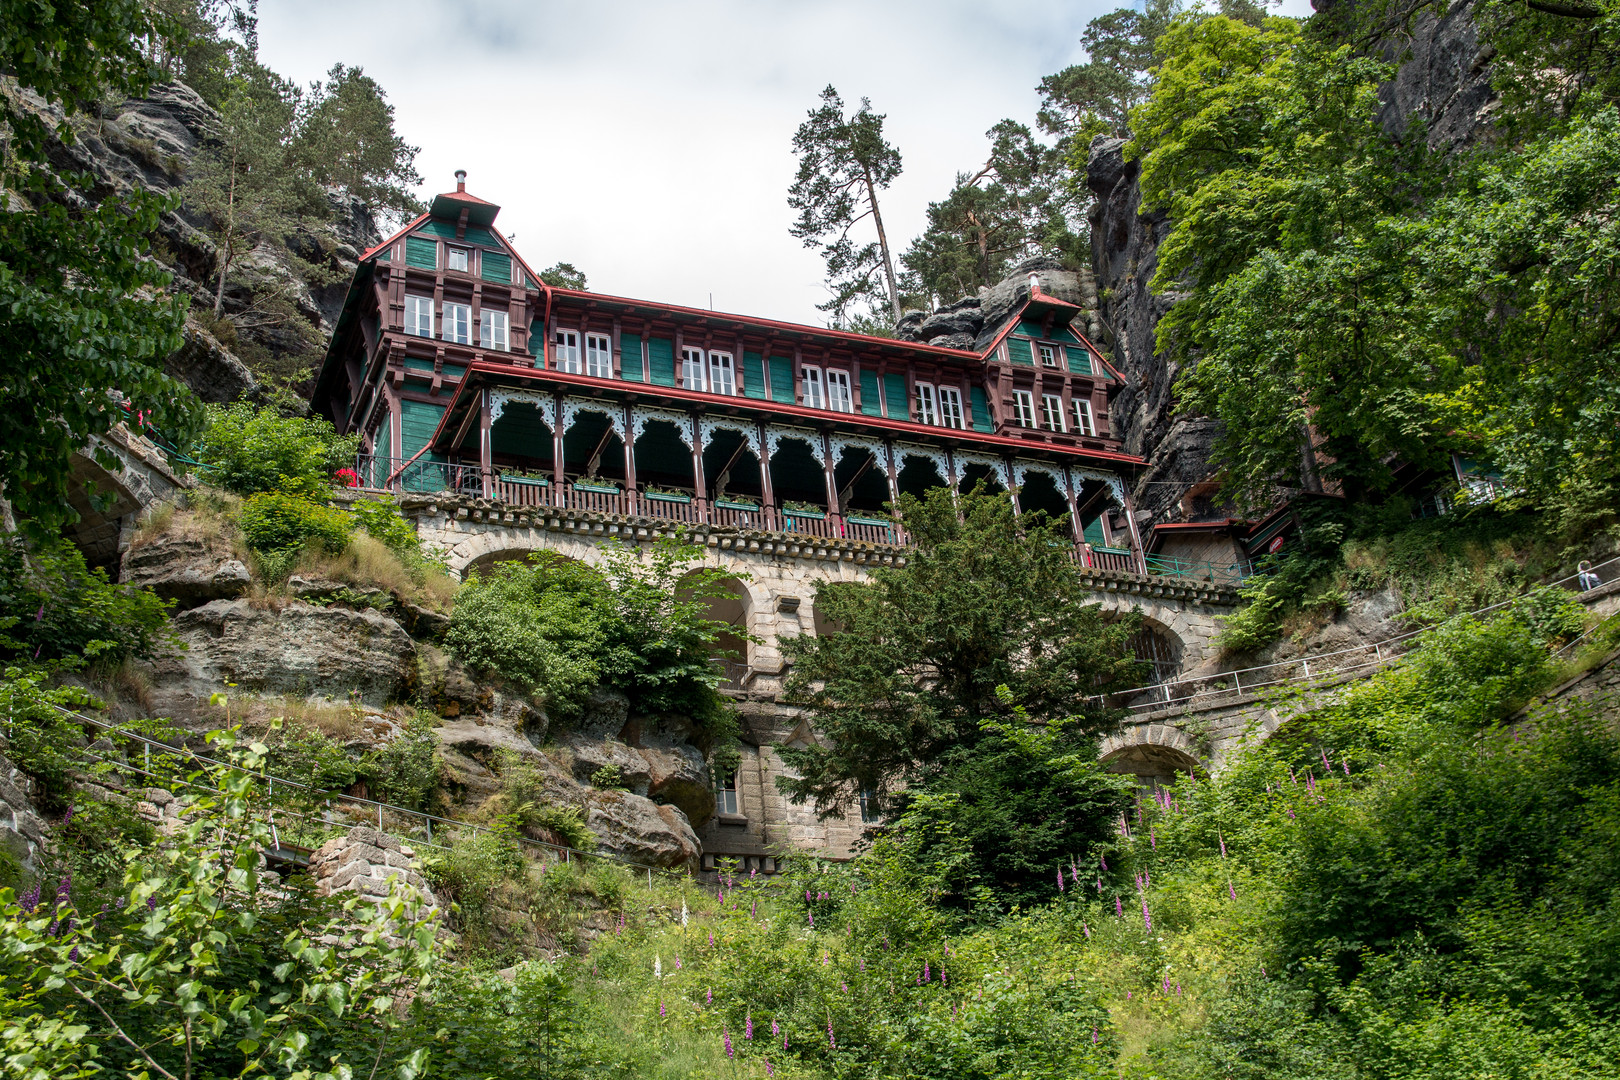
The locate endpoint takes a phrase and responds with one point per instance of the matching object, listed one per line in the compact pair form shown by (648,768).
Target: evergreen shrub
(273,521)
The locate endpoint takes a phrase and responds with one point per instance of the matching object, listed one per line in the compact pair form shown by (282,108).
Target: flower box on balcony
(526,481)
(809,515)
(856,519)
(1111,551)
(599,489)
(728,504)
(668,496)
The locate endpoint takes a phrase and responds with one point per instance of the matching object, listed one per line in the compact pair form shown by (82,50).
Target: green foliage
(199,969)
(405,771)
(40,740)
(844,162)
(639,625)
(564,275)
(274,522)
(1430,302)
(345,137)
(986,600)
(524,803)
(380,519)
(249,450)
(54,608)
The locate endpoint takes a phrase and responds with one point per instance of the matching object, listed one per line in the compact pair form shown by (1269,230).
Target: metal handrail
(329,796)
(1305,662)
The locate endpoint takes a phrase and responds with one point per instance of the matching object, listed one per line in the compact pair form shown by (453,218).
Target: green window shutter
(1063,333)
(381,447)
(630,358)
(497,267)
(1018,351)
(537,339)
(661,359)
(421,252)
(982,421)
(754,375)
(444,230)
(894,393)
(1079,359)
(417,363)
(482,237)
(782,380)
(453,371)
(1093,533)
(871,404)
(1031,329)
(417,422)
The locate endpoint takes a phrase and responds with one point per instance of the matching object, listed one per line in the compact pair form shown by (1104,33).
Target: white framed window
(1024,408)
(492,330)
(838,396)
(813,396)
(599,356)
(1084,424)
(692,369)
(925,404)
(869,807)
(1052,412)
(722,376)
(419,316)
(950,407)
(458,323)
(567,346)
(455,259)
(725,794)
(1049,355)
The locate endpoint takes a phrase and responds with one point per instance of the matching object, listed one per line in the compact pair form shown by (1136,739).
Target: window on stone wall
(869,807)
(725,793)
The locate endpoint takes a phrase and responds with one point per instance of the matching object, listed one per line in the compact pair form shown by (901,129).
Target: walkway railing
(528,492)
(1319,667)
(413,825)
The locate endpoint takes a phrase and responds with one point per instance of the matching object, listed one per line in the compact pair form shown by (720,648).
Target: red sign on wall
(1276,542)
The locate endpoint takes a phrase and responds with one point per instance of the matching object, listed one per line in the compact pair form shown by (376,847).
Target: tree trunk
(883,245)
(228,240)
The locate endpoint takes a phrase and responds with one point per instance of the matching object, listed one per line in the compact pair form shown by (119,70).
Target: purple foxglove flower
(1086,928)
(1119,908)
(1326,765)
(1104,860)
(1060,879)
(1154,840)
(725,1036)
(768,1070)
(863,964)
(1147,919)
(711,939)
(754,914)
(784,1044)
(1231,890)
(807,896)
(1223,847)
(660,1008)
(926,975)
(1346,764)
(1178,989)
(812,916)
(677,962)
(1127,995)
(1099,884)
(1167,984)
(708,997)
(832,1043)
(1290,811)
(1093,1032)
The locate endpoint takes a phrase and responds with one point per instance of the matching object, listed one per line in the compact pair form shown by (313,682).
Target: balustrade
(423,477)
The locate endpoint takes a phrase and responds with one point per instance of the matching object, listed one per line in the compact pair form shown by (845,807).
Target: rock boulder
(189,570)
(636,828)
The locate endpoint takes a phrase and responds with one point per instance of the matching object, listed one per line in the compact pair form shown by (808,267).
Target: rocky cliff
(151,142)
(1443,84)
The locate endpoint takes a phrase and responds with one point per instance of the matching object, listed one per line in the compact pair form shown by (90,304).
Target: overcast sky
(650,143)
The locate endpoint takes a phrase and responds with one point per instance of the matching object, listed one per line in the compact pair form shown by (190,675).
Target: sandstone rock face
(1125,255)
(639,829)
(298,649)
(189,570)
(593,756)
(678,775)
(22,831)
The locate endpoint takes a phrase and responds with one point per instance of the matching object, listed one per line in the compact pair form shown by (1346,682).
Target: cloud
(649,143)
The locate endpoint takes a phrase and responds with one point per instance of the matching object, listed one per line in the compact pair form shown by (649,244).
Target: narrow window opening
(1024,408)
(722,376)
(950,407)
(1052,412)
(492,330)
(599,356)
(567,343)
(925,404)
(838,396)
(1083,421)
(458,323)
(419,316)
(812,388)
(692,369)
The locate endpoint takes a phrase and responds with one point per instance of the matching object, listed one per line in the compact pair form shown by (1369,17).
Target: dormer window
(1049,356)
(456,259)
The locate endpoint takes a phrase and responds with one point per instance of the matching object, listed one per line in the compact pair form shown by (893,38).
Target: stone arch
(1187,634)
(483,563)
(1155,754)
(736,610)
(1155,644)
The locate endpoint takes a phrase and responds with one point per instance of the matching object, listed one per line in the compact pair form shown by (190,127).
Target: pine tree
(843,163)
(346,138)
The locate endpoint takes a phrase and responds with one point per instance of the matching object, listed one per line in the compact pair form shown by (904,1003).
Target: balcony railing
(684,508)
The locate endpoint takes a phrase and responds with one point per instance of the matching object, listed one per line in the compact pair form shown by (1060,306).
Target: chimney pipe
(461,180)
(1034,282)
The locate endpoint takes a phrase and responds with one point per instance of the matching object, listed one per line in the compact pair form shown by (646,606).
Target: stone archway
(1156,754)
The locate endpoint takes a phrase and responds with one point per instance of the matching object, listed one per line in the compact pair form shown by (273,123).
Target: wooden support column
(561,496)
(892,470)
(828,465)
(1136,537)
(1074,507)
(486,451)
(697,458)
(1012,486)
(768,496)
(629,440)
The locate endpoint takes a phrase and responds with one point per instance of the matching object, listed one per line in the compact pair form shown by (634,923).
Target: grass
(368,563)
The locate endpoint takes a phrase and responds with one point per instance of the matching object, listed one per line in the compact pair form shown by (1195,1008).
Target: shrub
(273,521)
(250,450)
(406,770)
(55,608)
(41,741)
(380,519)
